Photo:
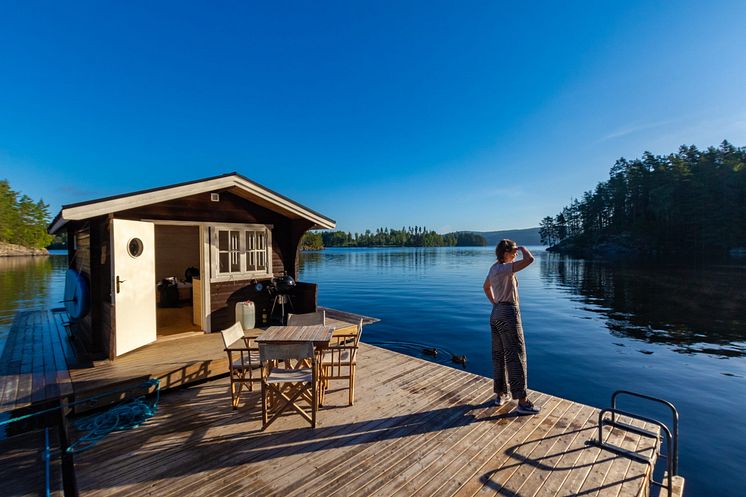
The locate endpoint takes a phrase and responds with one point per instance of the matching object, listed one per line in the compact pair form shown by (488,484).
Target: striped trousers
(508,350)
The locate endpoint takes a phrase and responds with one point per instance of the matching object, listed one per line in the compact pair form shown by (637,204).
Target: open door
(133,287)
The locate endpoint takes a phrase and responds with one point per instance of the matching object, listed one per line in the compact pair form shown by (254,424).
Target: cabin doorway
(177,279)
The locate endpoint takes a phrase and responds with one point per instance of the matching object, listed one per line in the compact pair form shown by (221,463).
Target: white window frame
(243,273)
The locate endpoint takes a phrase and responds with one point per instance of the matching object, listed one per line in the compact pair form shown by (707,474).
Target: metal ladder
(672,438)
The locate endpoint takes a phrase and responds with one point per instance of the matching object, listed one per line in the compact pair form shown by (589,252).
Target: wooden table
(319,334)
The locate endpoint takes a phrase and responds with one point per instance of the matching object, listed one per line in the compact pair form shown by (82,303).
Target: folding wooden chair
(283,388)
(339,360)
(243,357)
(309,318)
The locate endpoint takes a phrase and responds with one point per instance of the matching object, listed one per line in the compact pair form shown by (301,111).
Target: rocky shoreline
(620,247)
(10,250)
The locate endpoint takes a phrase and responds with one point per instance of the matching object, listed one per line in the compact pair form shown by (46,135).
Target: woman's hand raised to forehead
(526,259)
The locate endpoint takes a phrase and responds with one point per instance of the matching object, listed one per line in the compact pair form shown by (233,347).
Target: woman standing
(508,345)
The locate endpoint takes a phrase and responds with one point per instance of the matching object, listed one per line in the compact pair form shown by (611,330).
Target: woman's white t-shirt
(503,282)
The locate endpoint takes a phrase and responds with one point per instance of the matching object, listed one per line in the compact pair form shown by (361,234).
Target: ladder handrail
(669,460)
(674,455)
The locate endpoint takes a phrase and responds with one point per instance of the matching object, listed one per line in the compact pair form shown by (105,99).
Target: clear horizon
(482,116)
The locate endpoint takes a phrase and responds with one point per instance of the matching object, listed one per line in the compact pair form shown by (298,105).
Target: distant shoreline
(11,250)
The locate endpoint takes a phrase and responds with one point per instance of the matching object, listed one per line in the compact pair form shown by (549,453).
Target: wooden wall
(225,295)
(80,260)
(94,258)
(176,249)
(286,236)
(286,232)
(102,318)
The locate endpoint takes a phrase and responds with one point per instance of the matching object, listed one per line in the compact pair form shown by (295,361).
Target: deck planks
(33,368)
(417,428)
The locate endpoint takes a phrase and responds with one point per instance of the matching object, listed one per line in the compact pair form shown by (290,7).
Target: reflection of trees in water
(696,309)
(404,257)
(24,283)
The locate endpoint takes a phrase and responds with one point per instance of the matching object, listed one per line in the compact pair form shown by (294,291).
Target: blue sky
(453,115)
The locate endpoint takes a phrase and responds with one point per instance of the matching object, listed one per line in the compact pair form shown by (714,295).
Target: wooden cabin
(235,234)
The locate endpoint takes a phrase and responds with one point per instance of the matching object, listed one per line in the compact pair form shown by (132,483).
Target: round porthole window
(135,247)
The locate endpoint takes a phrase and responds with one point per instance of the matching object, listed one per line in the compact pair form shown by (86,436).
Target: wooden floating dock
(417,428)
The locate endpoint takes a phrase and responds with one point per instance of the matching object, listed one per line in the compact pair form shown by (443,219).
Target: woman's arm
(526,259)
(488,290)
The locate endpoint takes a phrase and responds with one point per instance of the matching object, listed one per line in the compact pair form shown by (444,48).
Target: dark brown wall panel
(224,297)
(286,236)
(81,261)
(176,249)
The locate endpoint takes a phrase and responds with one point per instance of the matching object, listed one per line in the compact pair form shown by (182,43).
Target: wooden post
(69,483)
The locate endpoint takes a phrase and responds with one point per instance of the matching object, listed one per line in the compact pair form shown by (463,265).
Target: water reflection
(29,283)
(389,257)
(694,309)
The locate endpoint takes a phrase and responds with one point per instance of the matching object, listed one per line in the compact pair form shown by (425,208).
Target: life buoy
(77,295)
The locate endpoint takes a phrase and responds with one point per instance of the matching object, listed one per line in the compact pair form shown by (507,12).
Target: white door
(133,285)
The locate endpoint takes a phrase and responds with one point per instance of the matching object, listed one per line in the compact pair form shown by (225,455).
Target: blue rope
(47,469)
(125,416)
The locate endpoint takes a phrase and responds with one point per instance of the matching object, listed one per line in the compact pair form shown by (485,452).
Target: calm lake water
(591,328)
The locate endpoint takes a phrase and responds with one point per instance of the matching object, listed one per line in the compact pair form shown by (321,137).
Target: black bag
(169,293)
(191,272)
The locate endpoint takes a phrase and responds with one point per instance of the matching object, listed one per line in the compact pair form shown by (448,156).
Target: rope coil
(124,416)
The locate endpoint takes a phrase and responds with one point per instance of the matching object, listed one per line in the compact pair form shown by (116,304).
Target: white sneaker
(501,399)
(527,408)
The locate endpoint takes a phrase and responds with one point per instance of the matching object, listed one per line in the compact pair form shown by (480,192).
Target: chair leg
(235,393)
(300,392)
(352,384)
(322,381)
(264,406)
(314,404)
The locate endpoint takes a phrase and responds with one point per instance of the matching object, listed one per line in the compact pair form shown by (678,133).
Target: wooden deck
(39,366)
(417,428)
(34,361)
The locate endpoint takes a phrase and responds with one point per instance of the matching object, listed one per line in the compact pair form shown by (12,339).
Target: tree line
(412,236)
(22,220)
(688,202)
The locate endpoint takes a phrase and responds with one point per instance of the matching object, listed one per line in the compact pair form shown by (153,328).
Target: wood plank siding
(95,333)
(286,232)
(88,252)
(225,295)
(176,249)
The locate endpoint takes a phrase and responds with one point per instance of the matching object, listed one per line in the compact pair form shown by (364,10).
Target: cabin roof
(235,182)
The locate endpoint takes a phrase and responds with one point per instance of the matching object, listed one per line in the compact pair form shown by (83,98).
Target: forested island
(384,237)
(23,223)
(691,204)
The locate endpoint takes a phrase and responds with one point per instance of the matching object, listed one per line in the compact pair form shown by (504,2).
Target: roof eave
(111,205)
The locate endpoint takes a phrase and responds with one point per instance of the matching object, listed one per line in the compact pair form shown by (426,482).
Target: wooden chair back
(240,350)
(232,334)
(282,388)
(310,318)
(285,351)
(339,359)
(342,342)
